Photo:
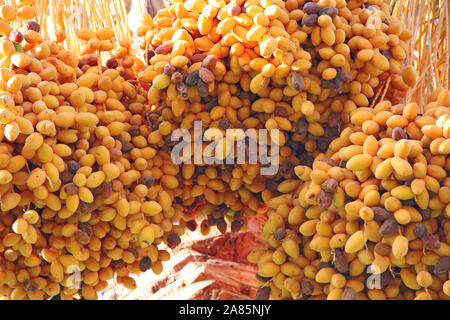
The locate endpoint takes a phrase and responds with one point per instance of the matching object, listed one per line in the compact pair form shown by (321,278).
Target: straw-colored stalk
(429,46)
(428,20)
(71,15)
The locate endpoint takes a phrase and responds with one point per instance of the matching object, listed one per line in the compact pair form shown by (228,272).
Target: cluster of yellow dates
(89,189)
(301,67)
(370,219)
(80,185)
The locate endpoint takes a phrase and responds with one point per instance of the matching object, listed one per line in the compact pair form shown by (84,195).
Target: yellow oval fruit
(31,216)
(268,269)
(424,279)
(355,242)
(359,162)
(146,236)
(57,271)
(320,243)
(324,275)
(446,288)
(308,228)
(290,269)
(401,166)
(10,201)
(20,60)
(380,264)
(409,279)
(5,177)
(291,248)
(400,246)
(402,193)
(20,226)
(86,119)
(95,179)
(274,222)
(36,178)
(85,195)
(151,208)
